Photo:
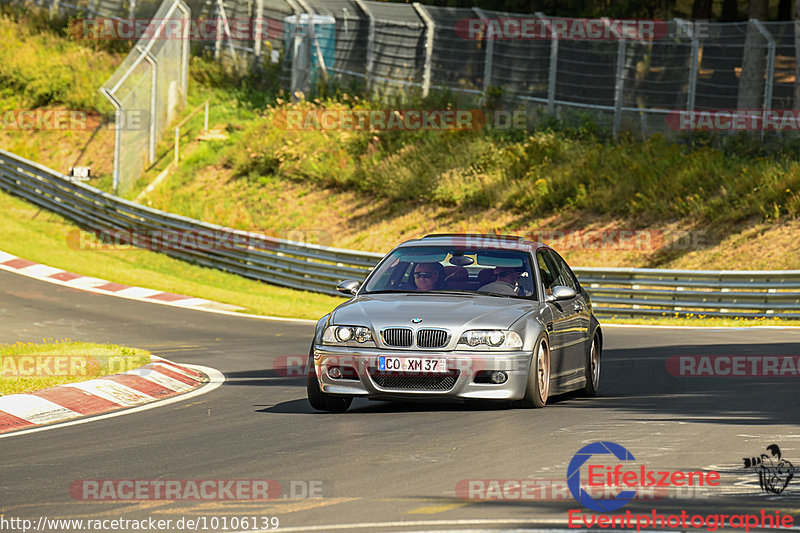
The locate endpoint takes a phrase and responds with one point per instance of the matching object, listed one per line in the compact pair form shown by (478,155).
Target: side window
(565,275)
(549,275)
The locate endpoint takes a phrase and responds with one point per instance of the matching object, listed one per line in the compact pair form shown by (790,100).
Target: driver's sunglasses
(504,274)
(424,275)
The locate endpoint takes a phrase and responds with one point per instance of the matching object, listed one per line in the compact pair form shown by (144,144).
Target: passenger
(428,276)
(505,281)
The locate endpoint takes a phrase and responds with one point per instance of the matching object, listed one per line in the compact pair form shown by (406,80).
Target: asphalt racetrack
(388,466)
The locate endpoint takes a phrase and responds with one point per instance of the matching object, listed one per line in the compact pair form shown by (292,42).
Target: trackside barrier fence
(151,82)
(615,291)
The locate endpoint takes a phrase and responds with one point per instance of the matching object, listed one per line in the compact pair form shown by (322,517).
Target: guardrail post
(488,56)
(430,28)
(370,42)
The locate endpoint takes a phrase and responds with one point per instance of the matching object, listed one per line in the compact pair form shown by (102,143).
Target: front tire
(538,388)
(322,401)
(593,367)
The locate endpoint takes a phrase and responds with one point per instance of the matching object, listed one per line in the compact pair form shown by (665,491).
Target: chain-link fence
(147,89)
(636,82)
(632,82)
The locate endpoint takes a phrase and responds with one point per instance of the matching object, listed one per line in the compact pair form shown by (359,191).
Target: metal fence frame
(143,51)
(614,291)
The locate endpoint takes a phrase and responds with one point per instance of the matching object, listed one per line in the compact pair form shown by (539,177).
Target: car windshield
(439,269)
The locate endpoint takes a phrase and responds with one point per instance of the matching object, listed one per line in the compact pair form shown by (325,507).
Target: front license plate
(412,364)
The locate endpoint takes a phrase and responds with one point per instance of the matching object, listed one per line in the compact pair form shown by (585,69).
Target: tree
(701,10)
(751,81)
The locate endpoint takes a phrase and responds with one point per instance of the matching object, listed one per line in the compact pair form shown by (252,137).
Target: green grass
(26,367)
(49,239)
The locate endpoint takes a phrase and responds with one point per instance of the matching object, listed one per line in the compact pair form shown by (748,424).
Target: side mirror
(560,292)
(348,286)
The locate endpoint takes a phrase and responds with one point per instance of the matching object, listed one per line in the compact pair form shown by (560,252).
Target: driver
(428,276)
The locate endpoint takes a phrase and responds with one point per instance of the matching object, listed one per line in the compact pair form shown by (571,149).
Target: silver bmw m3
(458,316)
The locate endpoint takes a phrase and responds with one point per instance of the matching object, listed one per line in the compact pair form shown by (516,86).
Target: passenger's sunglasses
(424,275)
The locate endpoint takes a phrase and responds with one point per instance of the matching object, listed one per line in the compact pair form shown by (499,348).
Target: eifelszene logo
(774,473)
(593,460)
(574,476)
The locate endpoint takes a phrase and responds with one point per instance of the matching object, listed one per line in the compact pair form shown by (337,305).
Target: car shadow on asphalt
(363,406)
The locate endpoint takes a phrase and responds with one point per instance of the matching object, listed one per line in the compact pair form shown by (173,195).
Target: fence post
(185,51)
(117,138)
(694,58)
(770,63)
(151,153)
(488,52)
(312,34)
(132,10)
(370,41)
(553,73)
(218,36)
(430,28)
(259,31)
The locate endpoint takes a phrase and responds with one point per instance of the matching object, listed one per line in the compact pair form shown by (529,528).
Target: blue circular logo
(601,505)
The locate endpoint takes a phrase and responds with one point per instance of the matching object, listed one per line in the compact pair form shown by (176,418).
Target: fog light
(499,377)
(335,372)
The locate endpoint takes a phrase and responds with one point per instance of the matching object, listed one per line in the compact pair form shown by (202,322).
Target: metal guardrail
(281,262)
(724,293)
(614,291)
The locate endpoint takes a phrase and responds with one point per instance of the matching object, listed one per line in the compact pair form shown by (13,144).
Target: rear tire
(538,388)
(593,367)
(322,401)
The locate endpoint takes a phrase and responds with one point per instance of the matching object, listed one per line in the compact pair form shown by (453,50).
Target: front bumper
(459,383)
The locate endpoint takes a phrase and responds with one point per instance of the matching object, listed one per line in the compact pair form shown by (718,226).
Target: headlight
(494,338)
(344,334)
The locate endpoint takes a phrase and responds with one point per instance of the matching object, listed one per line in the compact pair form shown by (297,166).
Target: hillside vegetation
(734,201)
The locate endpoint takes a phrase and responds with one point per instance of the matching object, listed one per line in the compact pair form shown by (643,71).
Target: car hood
(455,312)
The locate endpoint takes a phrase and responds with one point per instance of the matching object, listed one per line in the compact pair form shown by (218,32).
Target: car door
(560,368)
(575,315)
